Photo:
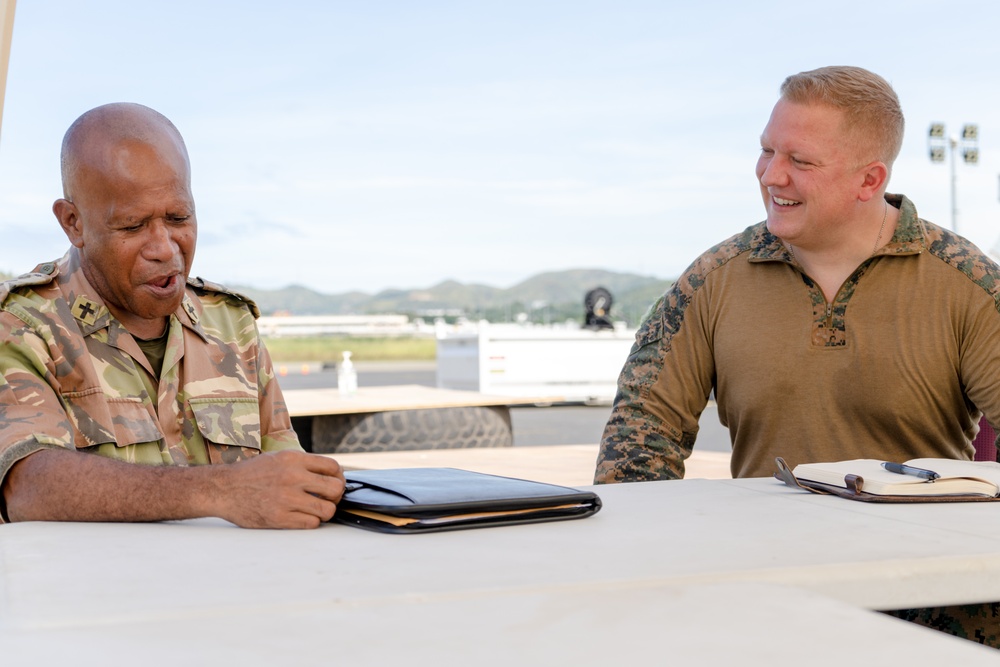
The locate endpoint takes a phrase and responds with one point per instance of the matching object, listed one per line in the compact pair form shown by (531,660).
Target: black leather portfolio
(421,500)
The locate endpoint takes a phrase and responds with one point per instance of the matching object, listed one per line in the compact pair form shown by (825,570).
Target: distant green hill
(547,297)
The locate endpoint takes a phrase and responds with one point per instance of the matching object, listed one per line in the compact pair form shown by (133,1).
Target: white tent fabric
(6,30)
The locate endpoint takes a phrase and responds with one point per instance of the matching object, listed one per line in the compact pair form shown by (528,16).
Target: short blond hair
(871,106)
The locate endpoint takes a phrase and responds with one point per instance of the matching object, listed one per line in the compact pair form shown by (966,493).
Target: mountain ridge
(547,296)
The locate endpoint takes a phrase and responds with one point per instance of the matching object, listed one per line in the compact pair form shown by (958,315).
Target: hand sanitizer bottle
(347,377)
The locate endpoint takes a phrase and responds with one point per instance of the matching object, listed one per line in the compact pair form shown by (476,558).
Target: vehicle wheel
(396,430)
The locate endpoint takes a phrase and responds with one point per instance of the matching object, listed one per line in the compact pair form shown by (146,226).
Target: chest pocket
(229,426)
(99,420)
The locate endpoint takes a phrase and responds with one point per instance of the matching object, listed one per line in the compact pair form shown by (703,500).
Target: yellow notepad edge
(451,518)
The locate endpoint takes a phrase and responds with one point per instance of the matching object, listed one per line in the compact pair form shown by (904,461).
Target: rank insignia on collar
(85,310)
(189,309)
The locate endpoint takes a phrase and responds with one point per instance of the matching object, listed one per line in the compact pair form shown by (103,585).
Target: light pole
(937,140)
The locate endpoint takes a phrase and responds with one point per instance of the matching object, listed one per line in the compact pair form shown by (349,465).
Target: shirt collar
(910,237)
(89,309)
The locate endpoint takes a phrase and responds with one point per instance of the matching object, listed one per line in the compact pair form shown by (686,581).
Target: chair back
(985,442)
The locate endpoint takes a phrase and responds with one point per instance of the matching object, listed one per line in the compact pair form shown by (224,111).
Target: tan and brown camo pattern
(71,376)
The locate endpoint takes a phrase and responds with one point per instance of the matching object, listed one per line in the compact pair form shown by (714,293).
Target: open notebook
(866,479)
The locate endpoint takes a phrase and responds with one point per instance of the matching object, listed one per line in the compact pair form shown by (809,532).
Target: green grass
(329,348)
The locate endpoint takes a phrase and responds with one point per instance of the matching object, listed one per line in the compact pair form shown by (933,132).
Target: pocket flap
(101,420)
(228,420)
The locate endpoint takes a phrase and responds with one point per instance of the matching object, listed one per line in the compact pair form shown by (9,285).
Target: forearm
(287,489)
(636,448)
(57,485)
(645,438)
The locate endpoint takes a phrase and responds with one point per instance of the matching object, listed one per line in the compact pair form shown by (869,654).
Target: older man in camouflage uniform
(842,327)
(113,351)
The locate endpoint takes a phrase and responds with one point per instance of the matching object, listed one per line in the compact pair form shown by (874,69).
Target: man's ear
(874,178)
(69,219)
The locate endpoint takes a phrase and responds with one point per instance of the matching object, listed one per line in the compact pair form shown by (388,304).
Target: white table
(171,582)
(744,624)
(321,402)
(324,419)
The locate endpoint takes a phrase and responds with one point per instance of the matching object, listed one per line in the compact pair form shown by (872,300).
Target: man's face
(809,173)
(136,231)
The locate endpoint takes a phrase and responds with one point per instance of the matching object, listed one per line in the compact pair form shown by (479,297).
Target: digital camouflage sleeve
(668,377)
(637,445)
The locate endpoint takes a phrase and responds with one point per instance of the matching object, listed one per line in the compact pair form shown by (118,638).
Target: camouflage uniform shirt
(898,366)
(71,376)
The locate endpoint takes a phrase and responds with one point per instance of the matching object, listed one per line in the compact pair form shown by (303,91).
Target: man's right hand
(286,489)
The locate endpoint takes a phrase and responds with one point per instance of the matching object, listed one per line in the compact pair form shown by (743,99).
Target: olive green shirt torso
(897,366)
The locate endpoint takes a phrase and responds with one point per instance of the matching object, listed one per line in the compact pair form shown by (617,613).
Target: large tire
(396,430)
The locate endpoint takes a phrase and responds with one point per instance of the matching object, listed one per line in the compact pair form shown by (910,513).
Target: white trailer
(560,365)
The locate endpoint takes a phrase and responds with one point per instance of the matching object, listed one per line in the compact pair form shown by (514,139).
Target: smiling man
(112,357)
(842,327)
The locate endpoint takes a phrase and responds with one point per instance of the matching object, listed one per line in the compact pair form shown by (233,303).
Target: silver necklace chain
(878,239)
(885,214)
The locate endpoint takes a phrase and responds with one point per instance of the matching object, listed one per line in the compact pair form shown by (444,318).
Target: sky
(399,143)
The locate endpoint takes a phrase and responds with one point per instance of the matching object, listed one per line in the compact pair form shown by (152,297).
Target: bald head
(129,213)
(91,140)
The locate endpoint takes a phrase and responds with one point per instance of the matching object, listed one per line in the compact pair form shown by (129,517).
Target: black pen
(903,469)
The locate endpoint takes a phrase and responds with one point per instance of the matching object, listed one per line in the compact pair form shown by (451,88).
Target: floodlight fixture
(938,140)
(970,143)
